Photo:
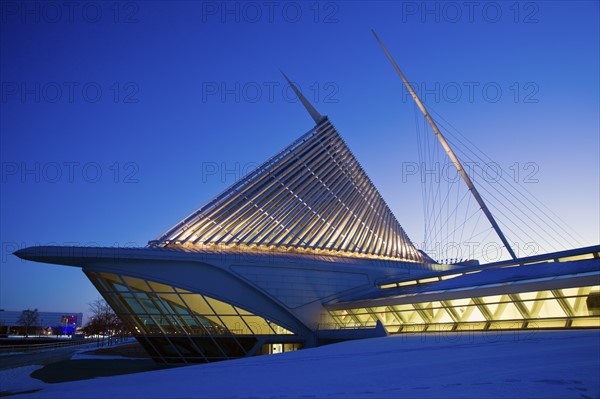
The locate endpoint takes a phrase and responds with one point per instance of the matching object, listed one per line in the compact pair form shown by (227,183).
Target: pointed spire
(449,151)
(317,117)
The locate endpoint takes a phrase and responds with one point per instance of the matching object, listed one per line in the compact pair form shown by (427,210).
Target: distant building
(62,323)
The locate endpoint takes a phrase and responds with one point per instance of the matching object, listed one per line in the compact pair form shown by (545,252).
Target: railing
(25,348)
(345,326)
(530,324)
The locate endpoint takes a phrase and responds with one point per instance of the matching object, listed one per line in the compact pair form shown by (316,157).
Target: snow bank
(467,365)
(18,379)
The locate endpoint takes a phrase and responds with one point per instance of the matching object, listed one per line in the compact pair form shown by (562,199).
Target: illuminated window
(560,308)
(154,310)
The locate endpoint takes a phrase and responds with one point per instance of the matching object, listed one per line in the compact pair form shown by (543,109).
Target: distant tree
(3,329)
(28,319)
(104,321)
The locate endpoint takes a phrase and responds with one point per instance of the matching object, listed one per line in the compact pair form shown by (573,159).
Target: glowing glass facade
(176,325)
(559,308)
(560,290)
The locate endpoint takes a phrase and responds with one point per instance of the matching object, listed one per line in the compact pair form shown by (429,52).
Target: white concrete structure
(305,251)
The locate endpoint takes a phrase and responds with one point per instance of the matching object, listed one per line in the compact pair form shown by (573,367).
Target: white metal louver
(312,196)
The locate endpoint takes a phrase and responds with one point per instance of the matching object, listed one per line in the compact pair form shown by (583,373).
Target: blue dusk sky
(120,118)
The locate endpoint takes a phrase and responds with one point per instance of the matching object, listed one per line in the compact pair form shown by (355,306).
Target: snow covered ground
(529,364)
(18,379)
(82,355)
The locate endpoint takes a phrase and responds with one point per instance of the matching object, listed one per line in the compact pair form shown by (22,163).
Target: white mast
(450,153)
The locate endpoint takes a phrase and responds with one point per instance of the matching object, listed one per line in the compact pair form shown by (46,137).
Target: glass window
(157,308)
(508,311)
(196,303)
(213,325)
(132,303)
(400,308)
(220,308)
(570,291)
(230,346)
(150,306)
(158,287)
(182,324)
(208,348)
(120,287)
(194,325)
(115,302)
(527,295)
(280,330)
(161,306)
(587,322)
(258,325)
(442,316)
(379,309)
(186,347)
(110,277)
(164,347)
(491,299)
(174,303)
(235,324)
(473,314)
(98,282)
(136,283)
(242,311)
(168,325)
(544,308)
(149,324)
